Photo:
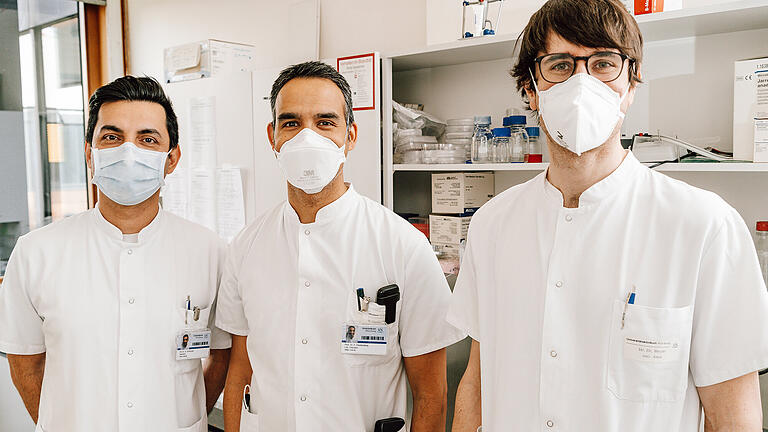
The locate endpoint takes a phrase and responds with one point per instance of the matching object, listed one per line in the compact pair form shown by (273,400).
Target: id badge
(193,344)
(364,339)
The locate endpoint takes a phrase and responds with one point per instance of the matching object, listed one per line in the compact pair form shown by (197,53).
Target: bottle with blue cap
(481,140)
(518,139)
(501,145)
(534,153)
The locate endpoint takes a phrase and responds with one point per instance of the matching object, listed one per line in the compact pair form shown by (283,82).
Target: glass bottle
(534,154)
(500,146)
(518,141)
(481,140)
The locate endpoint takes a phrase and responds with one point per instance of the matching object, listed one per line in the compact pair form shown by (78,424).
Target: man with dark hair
(93,307)
(611,297)
(319,266)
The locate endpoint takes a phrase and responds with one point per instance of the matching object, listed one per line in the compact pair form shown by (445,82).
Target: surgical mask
(128,175)
(580,113)
(310,161)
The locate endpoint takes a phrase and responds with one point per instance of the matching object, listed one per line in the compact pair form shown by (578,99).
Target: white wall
(346,27)
(358,26)
(155,25)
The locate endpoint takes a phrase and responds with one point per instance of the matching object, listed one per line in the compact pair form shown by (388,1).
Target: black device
(392,424)
(388,297)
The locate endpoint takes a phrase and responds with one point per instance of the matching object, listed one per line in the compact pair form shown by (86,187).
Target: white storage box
(207,58)
(461,193)
(448,229)
(750,102)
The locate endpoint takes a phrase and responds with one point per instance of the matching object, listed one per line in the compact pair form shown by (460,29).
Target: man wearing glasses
(629,300)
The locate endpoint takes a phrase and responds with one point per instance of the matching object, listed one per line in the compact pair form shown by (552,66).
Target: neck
(307,205)
(572,174)
(129,219)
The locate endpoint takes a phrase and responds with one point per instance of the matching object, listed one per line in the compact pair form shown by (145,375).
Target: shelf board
(472,167)
(747,167)
(727,17)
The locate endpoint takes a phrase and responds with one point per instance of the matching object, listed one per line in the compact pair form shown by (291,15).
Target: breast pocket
(648,357)
(373,316)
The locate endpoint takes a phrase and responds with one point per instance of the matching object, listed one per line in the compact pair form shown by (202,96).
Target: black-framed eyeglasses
(604,65)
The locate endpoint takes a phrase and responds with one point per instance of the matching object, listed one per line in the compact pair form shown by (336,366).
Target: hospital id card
(364,339)
(651,350)
(193,344)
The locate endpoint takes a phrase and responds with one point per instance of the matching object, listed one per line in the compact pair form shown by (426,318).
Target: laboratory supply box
(461,193)
(207,58)
(750,102)
(448,229)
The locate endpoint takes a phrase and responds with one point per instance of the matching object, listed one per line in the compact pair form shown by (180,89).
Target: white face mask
(580,113)
(128,175)
(310,161)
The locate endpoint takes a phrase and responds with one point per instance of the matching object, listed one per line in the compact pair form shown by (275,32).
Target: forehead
(310,96)
(132,115)
(558,44)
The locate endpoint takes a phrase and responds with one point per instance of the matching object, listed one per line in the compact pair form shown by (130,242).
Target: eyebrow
(328,115)
(149,131)
(111,128)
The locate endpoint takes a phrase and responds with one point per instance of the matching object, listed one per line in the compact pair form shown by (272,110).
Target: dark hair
(131,88)
(313,69)
(589,23)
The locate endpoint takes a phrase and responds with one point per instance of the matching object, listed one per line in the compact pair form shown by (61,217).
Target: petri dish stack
(410,149)
(457,144)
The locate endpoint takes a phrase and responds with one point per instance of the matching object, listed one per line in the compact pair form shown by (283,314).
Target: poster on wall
(359,72)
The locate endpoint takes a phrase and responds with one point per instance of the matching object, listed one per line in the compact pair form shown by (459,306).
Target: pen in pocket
(630,300)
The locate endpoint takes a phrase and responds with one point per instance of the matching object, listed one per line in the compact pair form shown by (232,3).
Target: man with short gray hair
(357,289)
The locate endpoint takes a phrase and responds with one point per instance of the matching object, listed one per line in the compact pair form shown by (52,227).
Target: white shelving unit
(744,167)
(448,69)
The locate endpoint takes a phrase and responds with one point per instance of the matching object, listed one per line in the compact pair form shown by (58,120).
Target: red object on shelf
(423,227)
(533,158)
(762,226)
(648,6)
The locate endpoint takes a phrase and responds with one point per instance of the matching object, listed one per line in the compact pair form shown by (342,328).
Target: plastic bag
(415,119)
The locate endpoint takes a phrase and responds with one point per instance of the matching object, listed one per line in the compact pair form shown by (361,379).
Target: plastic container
(460,128)
(518,140)
(534,154)
(458,135)
(761,244)
(461,122)
(414,139)
(500,145)
(481,140)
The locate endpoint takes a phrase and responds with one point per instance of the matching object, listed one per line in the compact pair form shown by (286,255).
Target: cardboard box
(642,7)
(750,102)
(461,193)
(448,229)
(449,250)
(207,58)
(761,140)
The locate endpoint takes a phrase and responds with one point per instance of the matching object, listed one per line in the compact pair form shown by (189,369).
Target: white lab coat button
(130,351)
(303,398)
(568,218)
(131,300)
(559,284)
(130,251)
(304,341)
(553,353)
(550,423)
(306,284)
(129,404)
(306,232)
